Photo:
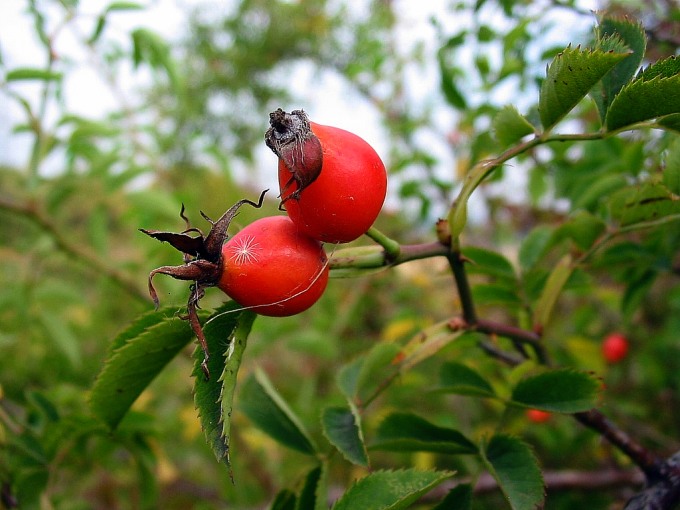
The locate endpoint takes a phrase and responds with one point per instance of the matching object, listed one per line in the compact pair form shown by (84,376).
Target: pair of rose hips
(332,185)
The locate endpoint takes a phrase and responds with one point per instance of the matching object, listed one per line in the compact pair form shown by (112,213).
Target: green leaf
(561,391)
(671,172)
(151,48)
(29,73)
(534,246)
(618,34)
(124,6)
(669,122)
(407,432)
(314,493)
(226,332)
(390,490)
(514,466)
(43,405)
(551,291)
(342,428)
(284,500)
(644,203)
(359,378)
(509,126)
(130,368)
(667,68)
(139,325)
(636,290)
(98,29)
(61,333)
(496,295)
(491,263)
(426,344)
(582,228)
(598,190)
(458,498)
(570,76)
(348,377)
(654,93)
(461,380)
(377,365)
(449,73)
(263,405)
(451,91)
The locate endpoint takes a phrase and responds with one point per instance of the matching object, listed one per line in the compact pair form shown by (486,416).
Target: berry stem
(392,247)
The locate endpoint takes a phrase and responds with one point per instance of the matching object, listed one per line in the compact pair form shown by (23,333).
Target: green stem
(367,258)
(457,216)
(392,247)
(609,236)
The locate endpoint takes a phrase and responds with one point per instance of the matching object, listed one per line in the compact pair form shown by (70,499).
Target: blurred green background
(423,89)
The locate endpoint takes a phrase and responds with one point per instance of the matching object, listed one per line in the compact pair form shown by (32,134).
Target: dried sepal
(218,233)
(290,137)
(192,246)
(203,263)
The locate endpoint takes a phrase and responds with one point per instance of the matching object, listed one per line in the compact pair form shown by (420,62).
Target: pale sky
(86,95)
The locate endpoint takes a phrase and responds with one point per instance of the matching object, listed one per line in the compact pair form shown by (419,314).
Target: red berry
(615,348)
(333,190)
(273,268)
(538,416)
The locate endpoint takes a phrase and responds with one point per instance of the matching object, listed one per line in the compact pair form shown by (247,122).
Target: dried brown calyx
(290,137)
(203,263)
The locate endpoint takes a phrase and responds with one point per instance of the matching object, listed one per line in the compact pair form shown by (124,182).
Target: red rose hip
(615,348)
(271,267)
(333,183)
(538,416)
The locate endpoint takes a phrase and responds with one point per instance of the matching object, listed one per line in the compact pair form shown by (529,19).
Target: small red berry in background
(615,348)
(538,416)
(271,267)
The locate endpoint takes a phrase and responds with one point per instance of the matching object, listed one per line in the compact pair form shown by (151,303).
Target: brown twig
(457,264)
(650,464)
